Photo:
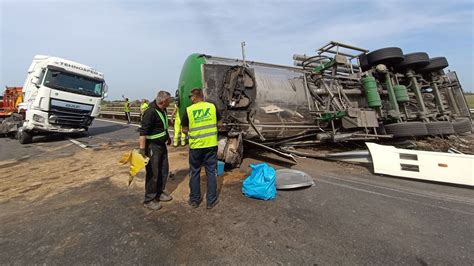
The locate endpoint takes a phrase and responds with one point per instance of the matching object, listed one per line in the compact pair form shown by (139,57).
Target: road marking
(78,144)
(427,195)
(393,197)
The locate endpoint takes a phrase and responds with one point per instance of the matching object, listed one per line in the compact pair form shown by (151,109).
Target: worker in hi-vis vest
(126,109)
(153,140)
(179,136)
(143,107)
(199,122)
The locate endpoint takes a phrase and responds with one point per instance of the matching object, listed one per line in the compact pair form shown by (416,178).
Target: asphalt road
(349,217)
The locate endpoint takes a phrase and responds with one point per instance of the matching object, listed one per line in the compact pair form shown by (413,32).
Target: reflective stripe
(156,136)
(201,127)
(164,120)
(203,135)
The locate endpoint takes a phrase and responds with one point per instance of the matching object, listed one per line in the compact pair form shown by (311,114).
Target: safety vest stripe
(156,136)
(201,128)
(164,120)
(203,135)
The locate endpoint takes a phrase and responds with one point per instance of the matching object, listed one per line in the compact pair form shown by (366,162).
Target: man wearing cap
(153,140)
(200,123)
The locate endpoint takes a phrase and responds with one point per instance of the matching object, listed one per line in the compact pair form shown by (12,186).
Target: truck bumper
(39,122)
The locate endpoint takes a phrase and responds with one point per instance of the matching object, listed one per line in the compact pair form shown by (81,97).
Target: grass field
(470,100)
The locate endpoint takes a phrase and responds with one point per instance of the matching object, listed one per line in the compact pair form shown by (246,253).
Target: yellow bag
(137,162)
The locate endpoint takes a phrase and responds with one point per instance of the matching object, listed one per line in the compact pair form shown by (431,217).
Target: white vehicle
(60,96)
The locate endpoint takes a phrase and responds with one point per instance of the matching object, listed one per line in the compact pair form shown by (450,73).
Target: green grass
(470,100)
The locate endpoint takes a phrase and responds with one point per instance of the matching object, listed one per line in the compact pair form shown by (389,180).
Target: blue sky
(140,46)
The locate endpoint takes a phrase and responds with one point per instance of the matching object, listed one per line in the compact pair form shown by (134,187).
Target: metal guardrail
(120,115)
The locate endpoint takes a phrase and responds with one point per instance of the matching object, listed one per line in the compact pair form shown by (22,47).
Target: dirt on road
(75,206)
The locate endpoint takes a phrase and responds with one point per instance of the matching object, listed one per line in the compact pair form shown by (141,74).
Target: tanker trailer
(332,96)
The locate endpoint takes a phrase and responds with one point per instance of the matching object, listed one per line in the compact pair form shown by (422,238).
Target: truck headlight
(38,118)
(52,119)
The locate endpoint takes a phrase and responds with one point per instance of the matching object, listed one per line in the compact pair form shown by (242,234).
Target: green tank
(190,78)
(371,93)
(401,93)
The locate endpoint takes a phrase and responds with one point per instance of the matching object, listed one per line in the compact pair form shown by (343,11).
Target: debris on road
(424,165)
(290,179)
(137,163)
(261,182)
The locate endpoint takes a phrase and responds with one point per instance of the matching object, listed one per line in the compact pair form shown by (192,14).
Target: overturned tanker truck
(342,93)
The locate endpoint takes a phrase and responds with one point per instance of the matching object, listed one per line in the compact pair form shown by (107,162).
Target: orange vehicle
(11,98)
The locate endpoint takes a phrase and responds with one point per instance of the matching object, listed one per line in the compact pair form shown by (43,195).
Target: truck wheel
(436,64)
(24,137)
(414,61)
(440,128)
(408,129)
(388,56)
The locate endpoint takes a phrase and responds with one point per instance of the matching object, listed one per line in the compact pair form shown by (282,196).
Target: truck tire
(436,64)
(462,126)
(364,63)
(24,137)
(414,61)
(408,129)
(440,128)
(388,56)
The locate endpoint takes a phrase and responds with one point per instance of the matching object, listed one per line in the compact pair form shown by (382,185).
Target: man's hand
(168,142)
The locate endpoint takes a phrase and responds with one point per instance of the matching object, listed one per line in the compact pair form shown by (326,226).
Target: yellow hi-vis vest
(143,107)
(202,125)
(164,119)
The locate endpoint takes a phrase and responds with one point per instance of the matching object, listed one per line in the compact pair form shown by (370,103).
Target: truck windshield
(66,81)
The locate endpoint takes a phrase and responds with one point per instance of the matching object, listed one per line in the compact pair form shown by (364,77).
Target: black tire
(364,63)
(388,56)
(408,129)
(462,126)
(440,128)
(414,61)
(436,64)
(24,137)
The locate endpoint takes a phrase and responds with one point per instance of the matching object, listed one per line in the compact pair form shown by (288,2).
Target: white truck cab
(60,96)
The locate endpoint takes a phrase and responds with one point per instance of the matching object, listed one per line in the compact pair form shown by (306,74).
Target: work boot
(152,205)
(193,204)
(165,197)
(212,205)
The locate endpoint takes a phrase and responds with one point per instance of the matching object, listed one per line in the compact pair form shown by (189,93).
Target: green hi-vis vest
(126,107)
(202,125)
(164,119)
(143,107)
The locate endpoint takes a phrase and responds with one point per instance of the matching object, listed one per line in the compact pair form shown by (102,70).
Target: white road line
(393,197)
(78,144)
(419,194)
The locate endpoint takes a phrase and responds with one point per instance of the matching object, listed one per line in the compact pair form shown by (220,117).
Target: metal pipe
(454,104)
(391,95)
(416,89)
(437,93)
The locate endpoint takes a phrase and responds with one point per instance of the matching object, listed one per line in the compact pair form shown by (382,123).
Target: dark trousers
(156,171)
(127,115)
(206,157)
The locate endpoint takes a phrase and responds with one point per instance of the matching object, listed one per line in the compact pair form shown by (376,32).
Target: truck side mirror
(35,81)
(37,77)
(105,91)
